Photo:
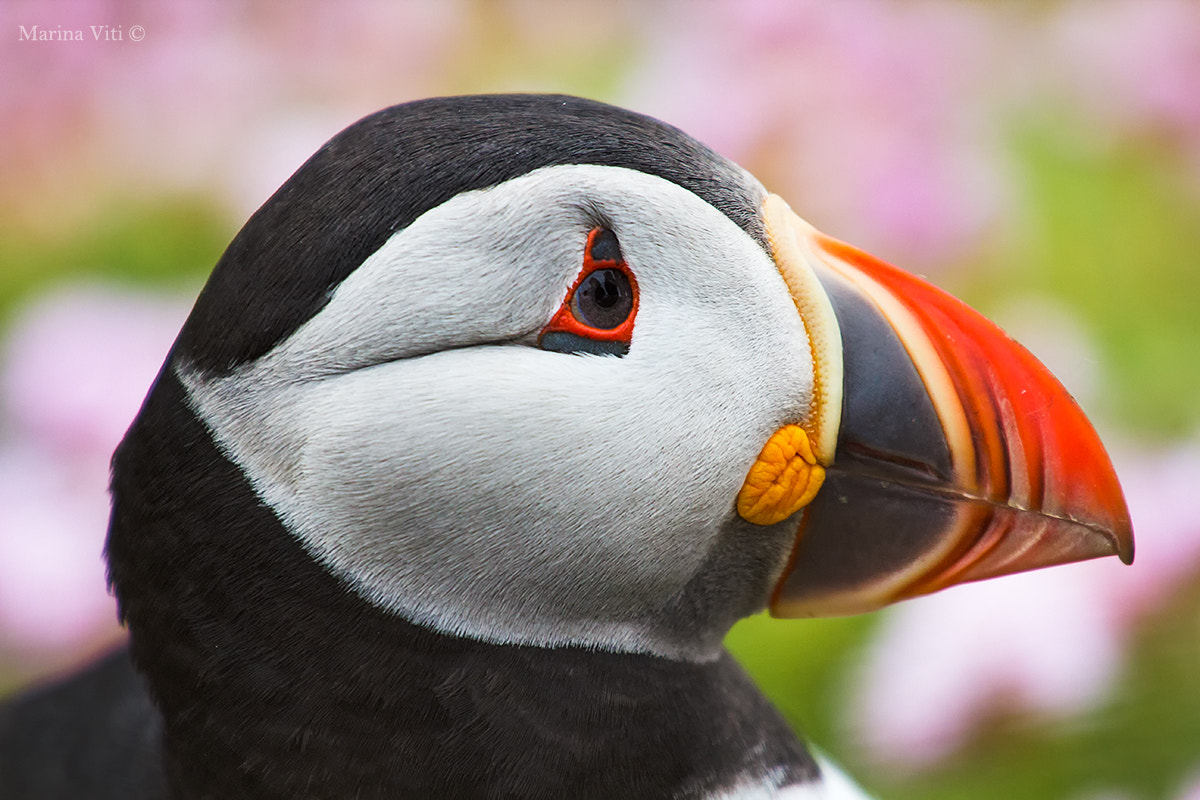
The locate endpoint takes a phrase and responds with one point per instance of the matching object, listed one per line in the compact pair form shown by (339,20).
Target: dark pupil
(604,299)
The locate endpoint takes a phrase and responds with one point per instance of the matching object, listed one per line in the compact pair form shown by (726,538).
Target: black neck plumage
(277,681)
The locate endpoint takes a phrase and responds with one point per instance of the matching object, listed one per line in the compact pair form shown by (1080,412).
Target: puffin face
(592,397)
(438,436)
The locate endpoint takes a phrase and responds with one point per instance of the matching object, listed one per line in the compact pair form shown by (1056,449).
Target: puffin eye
(603,299)
(597,315)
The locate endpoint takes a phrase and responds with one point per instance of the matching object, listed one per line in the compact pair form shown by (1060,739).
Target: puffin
(486,428)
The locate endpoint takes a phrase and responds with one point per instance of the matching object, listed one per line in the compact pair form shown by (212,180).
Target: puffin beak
(941,450)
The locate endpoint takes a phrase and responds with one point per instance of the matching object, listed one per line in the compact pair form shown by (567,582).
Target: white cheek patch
(496,490)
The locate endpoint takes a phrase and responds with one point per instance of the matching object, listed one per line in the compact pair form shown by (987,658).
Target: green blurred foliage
(1144,741)
(1112,230)
(1114,233)
(164,242)
(575,51)
(802,665)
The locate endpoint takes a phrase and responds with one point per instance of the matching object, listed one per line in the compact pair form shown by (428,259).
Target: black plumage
(277,680)
(378,175)
(94,735)
(272,677)
(279,651)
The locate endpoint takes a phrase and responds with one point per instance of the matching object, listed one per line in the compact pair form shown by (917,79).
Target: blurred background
(1039,159)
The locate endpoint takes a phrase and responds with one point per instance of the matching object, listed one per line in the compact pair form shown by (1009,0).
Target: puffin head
(536,370)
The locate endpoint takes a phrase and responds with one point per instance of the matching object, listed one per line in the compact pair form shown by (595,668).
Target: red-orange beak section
(959,456)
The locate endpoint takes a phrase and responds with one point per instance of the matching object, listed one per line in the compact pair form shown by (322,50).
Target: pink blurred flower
(883,122)
(76,366)
(1190,789)
(1135,63)
(222,98)
(872,118)
(886,123)
(1048,642)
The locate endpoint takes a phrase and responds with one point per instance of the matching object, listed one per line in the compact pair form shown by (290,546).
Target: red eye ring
(566,319)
